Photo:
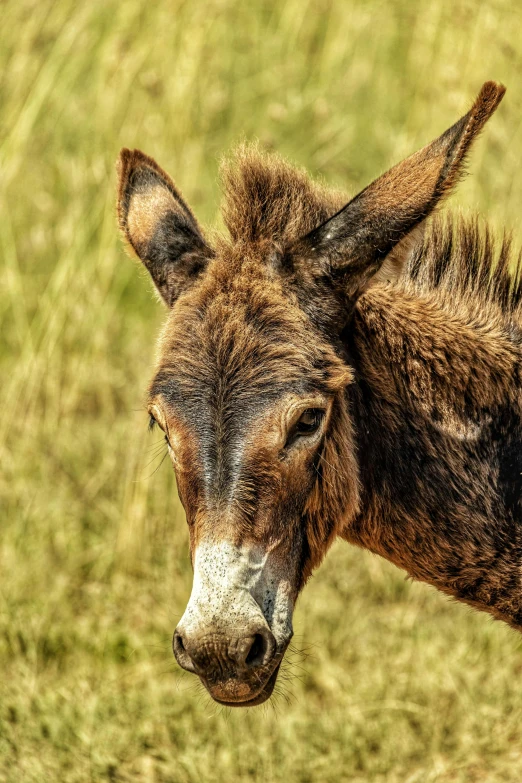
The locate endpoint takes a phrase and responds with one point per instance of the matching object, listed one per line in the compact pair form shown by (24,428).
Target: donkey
(331,369)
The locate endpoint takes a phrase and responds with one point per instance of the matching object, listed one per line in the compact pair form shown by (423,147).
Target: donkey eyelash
(153,423)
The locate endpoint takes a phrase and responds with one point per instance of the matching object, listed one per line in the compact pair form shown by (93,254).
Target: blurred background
(388,681)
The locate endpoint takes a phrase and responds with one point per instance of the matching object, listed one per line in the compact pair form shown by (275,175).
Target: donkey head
(251,384)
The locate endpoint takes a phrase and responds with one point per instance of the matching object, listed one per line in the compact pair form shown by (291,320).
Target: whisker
(155,457)
(144,478)
(321,476)
(160,442)
(321,456)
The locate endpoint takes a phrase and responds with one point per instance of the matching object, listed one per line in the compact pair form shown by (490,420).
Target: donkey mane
(460,261)
(456,257)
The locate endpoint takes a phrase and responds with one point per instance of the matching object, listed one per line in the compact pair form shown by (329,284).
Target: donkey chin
(237,624)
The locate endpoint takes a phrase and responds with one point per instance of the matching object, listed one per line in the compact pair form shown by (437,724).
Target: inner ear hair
(398,258)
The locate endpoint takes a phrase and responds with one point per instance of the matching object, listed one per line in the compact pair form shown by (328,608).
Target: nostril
(181,654)
(258,649)
(256,652)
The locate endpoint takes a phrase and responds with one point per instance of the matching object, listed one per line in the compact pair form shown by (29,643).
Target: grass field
(390,681)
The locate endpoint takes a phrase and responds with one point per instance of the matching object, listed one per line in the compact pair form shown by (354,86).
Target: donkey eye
(310,421)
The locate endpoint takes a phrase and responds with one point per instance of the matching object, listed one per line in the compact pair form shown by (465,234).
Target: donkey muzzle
(235,667)
(237,624)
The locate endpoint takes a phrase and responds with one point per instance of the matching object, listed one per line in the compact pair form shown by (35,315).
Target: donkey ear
(158,225)
(350,248)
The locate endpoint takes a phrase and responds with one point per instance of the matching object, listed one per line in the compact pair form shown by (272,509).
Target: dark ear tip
(130,158)
(490,95)
(492,87)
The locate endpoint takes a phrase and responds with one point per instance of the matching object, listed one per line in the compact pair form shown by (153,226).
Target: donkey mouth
(259,698)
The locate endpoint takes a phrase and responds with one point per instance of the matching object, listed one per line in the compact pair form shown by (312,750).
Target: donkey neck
(436,406)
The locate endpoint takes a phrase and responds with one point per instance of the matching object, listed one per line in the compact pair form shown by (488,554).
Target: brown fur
(441,351)
(397,329)
(249,345)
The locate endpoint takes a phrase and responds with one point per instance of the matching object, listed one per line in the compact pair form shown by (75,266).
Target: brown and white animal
(331,369)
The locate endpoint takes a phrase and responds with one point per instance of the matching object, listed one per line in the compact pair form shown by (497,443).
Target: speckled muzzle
(238,622)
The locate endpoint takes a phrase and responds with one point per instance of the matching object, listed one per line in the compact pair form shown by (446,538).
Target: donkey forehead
(200,390)
(231,370)
(238,336)
(237,353)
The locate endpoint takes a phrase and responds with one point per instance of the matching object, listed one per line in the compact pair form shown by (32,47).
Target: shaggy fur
(405,333)
(437,396)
